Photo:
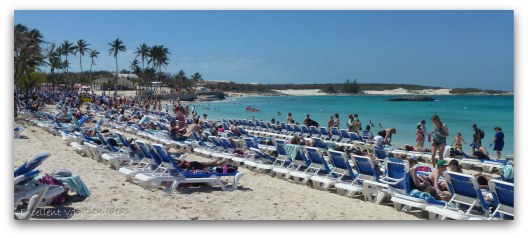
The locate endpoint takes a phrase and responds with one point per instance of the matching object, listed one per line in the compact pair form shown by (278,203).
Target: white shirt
(378,140)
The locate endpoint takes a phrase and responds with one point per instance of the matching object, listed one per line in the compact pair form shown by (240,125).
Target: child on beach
(458,142)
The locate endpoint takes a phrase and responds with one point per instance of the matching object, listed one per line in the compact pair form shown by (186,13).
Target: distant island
(412,98)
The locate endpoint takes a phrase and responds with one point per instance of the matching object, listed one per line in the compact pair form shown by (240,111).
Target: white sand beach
(259,196)
(402,91)
(302,92)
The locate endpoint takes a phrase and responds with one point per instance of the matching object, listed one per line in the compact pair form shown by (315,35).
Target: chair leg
(236,179)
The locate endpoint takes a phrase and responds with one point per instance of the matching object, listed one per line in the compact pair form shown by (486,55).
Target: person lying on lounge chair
(192,165)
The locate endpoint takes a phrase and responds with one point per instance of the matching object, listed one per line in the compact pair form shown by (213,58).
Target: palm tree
(67,48)
(81,48)
(27,51)
(196,78)
(115,47)
(54,60)
(93,55)
(134,66)
(143,51)
(159,57)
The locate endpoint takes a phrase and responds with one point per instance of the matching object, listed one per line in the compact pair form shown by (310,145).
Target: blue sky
(436,48)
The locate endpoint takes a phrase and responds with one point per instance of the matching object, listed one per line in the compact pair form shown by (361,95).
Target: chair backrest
(365,167)
(216,142)
(167,159)
(280,148)
(198,138)
(380,153)
(297,128)
(125,142)
(290,128)
(227,143)
(465,190)
(398,176)
(261,154)
(317,159)
(314,130)
(323,131)
(250,143)
(503,197)
(148,153)
(503,192)
(32,163)
(344,134)
(355,136)
(319,143)
(305,130)
(340,161)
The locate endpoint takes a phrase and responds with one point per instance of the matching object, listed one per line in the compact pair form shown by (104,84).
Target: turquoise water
(458,112)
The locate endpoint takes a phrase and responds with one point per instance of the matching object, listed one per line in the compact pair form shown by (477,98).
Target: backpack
(481,133)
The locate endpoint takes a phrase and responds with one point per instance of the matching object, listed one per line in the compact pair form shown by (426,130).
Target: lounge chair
(324,133)
(318,166)
(466,199)
(298,163)
(315,132)
(341,170)
(182,177)
(369,178)
(398,178)
(262,161)
(162,174)
(336,135)
(125,155)
(148,165)
(503,197)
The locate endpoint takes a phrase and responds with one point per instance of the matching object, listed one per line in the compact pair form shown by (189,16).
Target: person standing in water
(440,134)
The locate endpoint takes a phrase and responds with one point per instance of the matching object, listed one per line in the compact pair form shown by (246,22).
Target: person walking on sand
(440,134)
(498,139)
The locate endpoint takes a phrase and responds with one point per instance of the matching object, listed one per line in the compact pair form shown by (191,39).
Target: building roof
(131,76)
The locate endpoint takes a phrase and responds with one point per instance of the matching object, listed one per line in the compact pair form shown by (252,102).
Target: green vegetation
(474,90)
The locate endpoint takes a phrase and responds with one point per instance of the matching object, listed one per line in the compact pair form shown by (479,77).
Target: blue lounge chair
(298,163)
(373,190)
(336,135)
(149,163)
(315,132)
(467,199)
(182,177)
(398,178)
(319,143)
(124,156)
(341,172)
(262,161)
(503,197)
(345,136)
(305,132)
(318,166)
(324,133)
(162,175)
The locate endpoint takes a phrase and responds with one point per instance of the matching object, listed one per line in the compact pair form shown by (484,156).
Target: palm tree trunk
(91,82)
(115,84)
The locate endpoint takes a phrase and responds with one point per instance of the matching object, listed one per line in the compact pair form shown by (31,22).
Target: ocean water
(457,112)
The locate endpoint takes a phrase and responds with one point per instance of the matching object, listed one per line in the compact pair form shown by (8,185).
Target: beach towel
(59,199)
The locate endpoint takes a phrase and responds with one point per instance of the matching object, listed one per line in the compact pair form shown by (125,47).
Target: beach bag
(59,199)
(230,169)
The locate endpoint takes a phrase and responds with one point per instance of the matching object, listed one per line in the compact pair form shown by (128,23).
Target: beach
(258,197)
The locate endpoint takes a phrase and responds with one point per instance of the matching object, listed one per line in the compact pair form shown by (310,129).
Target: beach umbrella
(32,163)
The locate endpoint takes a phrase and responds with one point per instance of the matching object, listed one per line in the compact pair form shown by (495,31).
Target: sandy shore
(402,91)
(259,197)
(302,92)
